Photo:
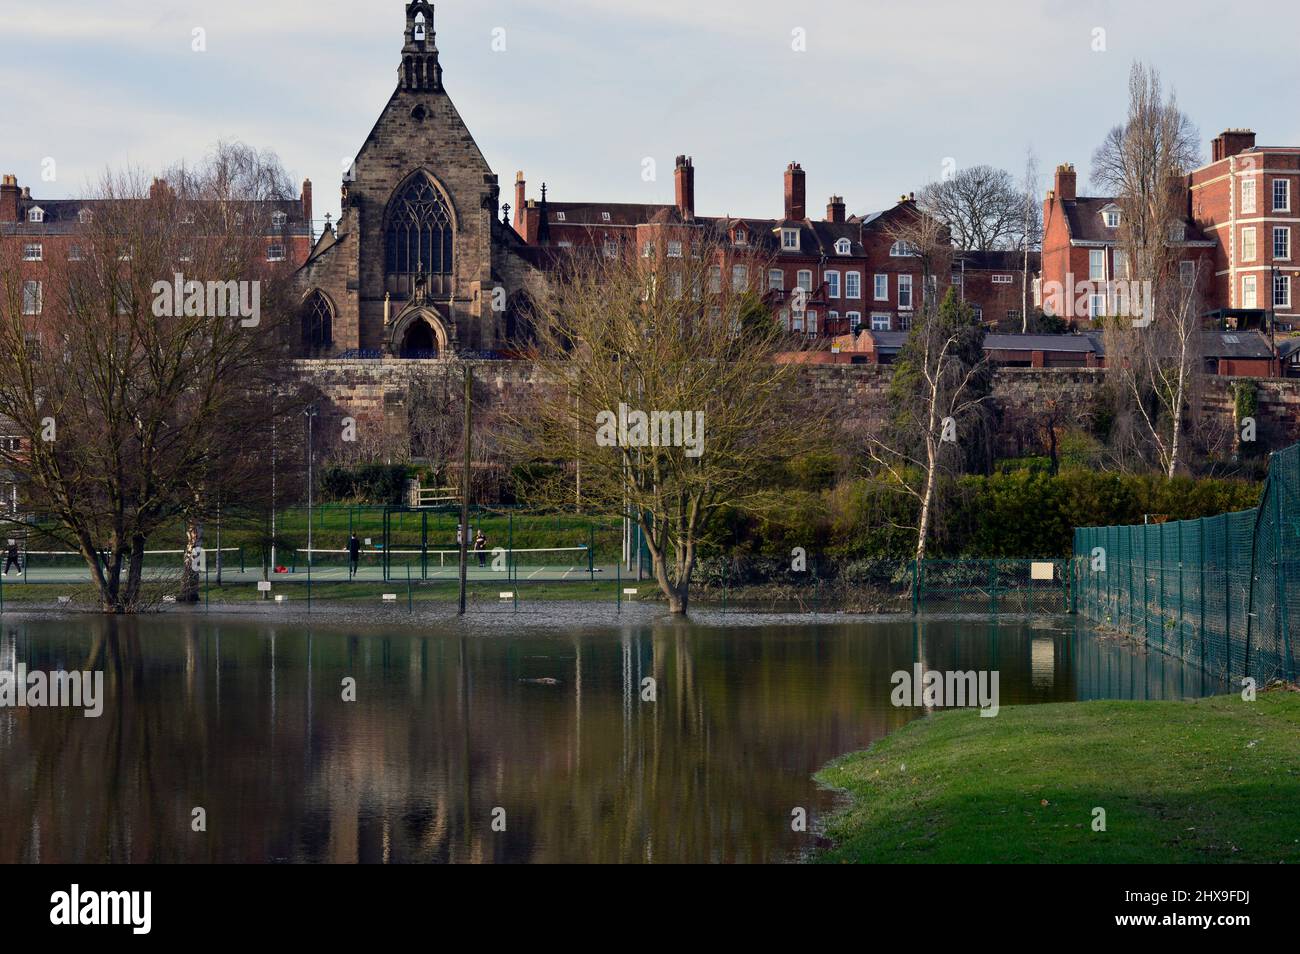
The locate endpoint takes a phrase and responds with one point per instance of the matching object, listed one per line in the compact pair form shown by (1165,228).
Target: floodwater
(506,738)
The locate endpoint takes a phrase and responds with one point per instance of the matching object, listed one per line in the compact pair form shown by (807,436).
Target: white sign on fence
(264,586)
(1043,571)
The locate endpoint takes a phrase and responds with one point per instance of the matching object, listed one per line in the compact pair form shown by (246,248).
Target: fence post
(1227,596)
(1280,621)
(1200,595)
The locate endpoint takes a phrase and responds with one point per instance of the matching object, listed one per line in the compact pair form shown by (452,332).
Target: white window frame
(559,216)
(36,214)
(34,252)
(1097,305)
(832,280)
(715,279)
(279,219)
(1249,291)
(804,280)
(843,247)
(674,248)
(855,320)
(904,292)
(37,299)
(1284,234)
(853,285)
(1248,202)
(741,238)
(611,248)
(1096,264)
(1249,244)
(1003,279)
(1282,285)
(739,278)
(1111,217)
(1187,273)
(901,249)
(881,320)
(1285,195)
(276,253)
(85,216)
(790,240)
(876,283)
(810,325)
(604,217)
(74,253)
(776,279)
(648,250)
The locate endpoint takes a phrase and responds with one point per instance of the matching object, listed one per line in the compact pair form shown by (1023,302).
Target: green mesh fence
(1222,592)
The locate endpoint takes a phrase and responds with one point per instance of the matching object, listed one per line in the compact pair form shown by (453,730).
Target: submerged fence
(1222,592)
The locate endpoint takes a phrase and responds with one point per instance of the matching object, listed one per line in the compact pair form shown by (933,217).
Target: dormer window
(843,247)
(604,216)
(187,218)
(559,216)
(790,240)
(36,214)
(1111,218)
(1178,232)
(741,237)
(901,250)
(85,216)
(279,219)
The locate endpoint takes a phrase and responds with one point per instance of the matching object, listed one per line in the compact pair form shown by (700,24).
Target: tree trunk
(190,575)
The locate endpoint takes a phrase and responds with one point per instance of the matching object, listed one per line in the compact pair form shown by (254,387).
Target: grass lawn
(1214,780)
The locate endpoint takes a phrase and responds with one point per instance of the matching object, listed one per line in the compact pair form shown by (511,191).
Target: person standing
(354,556)
(11,557)
(480,547)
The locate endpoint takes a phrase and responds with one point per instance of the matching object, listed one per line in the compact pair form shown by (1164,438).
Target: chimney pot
(684,179)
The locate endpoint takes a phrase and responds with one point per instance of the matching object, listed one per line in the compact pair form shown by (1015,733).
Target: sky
(873,99)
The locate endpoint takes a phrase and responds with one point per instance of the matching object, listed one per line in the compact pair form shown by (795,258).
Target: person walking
(354,556)
(480,547)
(11,557)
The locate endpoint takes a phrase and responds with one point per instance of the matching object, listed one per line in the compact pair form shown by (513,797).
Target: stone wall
(375,393)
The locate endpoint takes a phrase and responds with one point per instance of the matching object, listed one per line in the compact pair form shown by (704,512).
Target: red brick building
(850,269)
(1084,274)
(1248,199)
(41,235)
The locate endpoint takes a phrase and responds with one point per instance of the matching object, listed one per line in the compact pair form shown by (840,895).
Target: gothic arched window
(317,324)
(418,236)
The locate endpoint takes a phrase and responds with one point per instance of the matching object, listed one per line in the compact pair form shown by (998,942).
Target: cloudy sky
(586,90)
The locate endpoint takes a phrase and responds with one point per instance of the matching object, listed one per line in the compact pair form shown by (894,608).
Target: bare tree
(982,208)
(941,386)
(142,384)
(1032,232)
(662,382)
(1153,330)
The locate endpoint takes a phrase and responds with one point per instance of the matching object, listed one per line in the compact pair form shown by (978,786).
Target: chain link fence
(1222,592)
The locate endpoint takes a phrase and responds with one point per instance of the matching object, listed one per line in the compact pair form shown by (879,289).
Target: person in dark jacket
(11,557)
(480,547)
(354,555)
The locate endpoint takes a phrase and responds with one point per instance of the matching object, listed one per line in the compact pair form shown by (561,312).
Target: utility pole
(464,484)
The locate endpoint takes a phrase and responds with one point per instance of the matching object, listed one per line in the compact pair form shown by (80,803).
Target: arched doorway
(419,341)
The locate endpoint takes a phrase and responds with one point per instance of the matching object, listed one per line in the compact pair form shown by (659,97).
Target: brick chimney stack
(796,195)
(684,177)
(306,205)
(9,199)
(1066,180)
(835,209)
(1231,142)
(521,201)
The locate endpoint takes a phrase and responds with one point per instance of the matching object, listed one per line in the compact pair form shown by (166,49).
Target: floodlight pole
(310,413)
(464,489)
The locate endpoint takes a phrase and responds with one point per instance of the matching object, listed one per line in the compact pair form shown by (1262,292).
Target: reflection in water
(451,727)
